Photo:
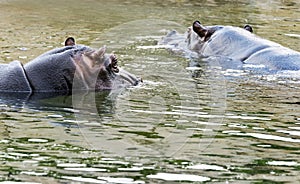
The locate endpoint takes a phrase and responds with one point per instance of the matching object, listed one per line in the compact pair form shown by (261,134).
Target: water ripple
(206,167)
(264,136)
(178,177)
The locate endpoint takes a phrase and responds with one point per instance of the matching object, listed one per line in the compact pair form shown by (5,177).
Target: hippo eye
(208,35)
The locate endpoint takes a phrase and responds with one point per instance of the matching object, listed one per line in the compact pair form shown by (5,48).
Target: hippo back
(13,78)
(53,70)
(241,45)
(235,43)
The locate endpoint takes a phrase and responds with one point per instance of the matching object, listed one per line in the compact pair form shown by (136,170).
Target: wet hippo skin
(241,44)
(13,77)
(62,70)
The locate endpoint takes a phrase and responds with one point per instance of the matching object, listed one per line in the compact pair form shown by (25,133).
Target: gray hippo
(65,69)
(241,44)
(235,43)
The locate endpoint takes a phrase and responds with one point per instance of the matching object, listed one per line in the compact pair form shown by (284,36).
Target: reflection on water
(185,123)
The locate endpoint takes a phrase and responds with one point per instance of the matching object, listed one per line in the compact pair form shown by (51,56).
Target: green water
(215,127)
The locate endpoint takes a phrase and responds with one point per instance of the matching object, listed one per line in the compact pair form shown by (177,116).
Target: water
(183,124)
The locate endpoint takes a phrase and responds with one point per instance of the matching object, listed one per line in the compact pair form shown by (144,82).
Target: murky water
(184,124)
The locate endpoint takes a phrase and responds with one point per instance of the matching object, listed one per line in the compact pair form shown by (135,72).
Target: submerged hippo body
(63,70)
(236,44)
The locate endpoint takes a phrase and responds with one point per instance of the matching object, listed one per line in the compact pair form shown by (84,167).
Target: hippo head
(77,67)
(97,70)
(198,35)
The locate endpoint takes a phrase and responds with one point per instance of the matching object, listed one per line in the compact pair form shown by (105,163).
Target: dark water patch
(255,170)
(152,135)
(267,182)
(218,155)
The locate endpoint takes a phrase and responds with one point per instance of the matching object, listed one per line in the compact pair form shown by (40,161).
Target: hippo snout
(122,76)
(128,77)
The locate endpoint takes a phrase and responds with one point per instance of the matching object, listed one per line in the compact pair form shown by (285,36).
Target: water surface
(183,124)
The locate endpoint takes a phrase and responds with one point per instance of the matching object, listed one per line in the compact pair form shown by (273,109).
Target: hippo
(64,70)
(236,44)
(242,45)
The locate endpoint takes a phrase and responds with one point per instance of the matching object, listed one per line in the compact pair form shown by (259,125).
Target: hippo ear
(98,53)
(248,28)
(101,51)
(199,29)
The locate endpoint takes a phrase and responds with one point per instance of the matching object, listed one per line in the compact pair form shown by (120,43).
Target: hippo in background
(241,44)
(64,70)
(236,44)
